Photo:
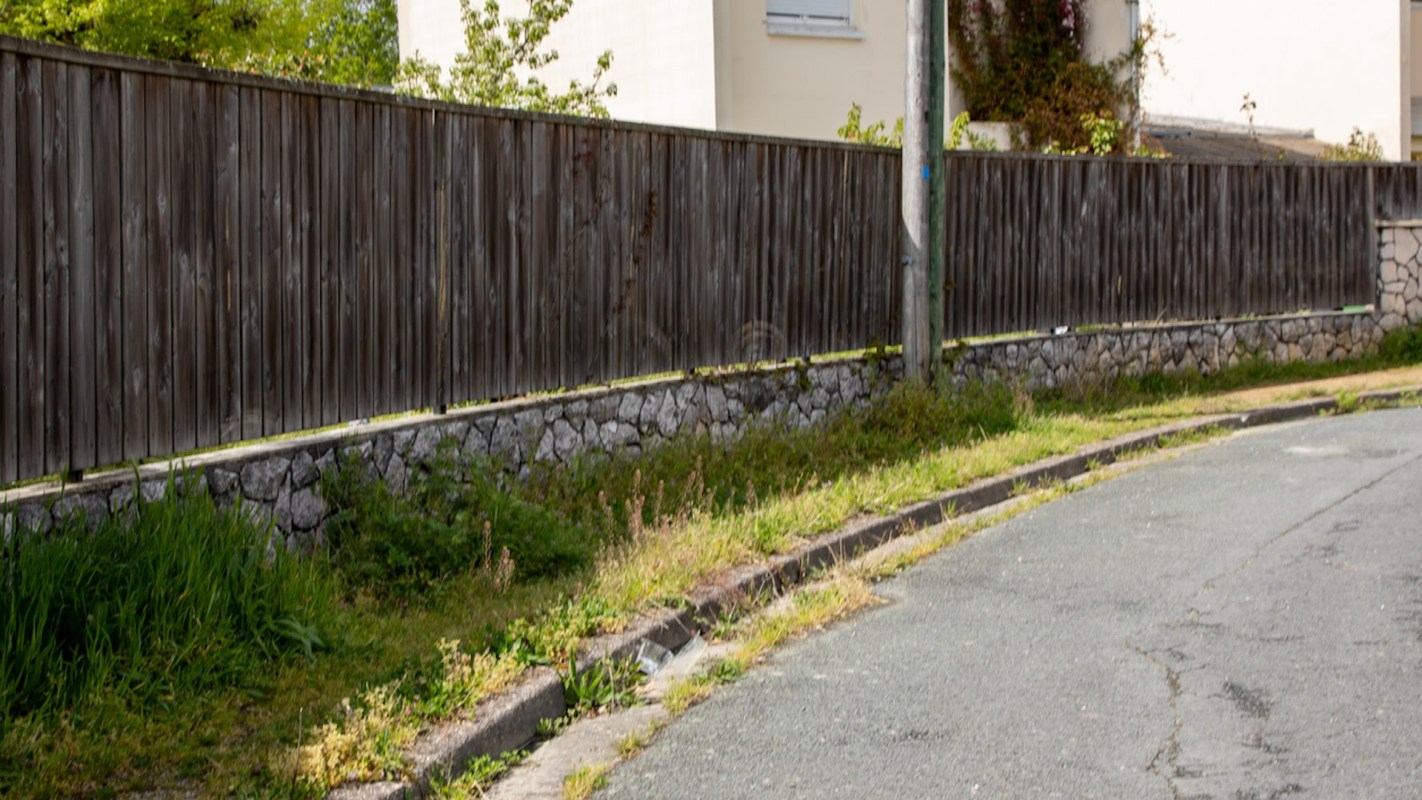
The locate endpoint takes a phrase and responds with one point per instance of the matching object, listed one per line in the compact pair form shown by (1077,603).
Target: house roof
(1221,141)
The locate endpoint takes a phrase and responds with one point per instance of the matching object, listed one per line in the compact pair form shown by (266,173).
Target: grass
(586,780)
(430,601)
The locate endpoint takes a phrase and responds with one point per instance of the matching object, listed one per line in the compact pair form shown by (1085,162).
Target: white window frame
(826,26)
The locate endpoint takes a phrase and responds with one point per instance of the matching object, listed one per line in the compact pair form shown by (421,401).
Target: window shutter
(814,9)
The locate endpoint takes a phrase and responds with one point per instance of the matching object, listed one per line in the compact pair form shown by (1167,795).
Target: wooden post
(915,185)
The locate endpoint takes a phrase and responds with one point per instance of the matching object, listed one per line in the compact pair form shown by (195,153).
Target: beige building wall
(1414,105)
(791,84)
(720,64)
(1308,64)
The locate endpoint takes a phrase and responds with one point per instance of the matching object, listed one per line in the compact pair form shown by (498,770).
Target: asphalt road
(1242,622)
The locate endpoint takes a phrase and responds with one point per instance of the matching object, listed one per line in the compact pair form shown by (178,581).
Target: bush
(1403,346)
(184,597)
(453,518)
(1024,61)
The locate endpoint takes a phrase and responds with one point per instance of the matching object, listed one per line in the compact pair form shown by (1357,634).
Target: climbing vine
(1024,61)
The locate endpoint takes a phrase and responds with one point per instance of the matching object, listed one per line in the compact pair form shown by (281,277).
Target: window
(830,18)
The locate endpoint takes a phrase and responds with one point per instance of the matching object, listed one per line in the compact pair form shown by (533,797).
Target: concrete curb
(511,720)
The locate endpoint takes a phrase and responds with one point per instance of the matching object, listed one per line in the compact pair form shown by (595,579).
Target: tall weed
(183,597)
(453,518)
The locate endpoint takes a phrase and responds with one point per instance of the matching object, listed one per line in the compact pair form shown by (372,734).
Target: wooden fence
(190,258)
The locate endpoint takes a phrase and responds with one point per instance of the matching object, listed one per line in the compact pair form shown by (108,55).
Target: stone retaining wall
(280,481)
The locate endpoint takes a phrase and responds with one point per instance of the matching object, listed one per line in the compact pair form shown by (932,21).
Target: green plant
(586,780)
(1024,61)
(605,684)
(181,597)
(500,62)
(853,130)
(478,777)
(959,129)
(1360,148)
(453,518)
(1403,345)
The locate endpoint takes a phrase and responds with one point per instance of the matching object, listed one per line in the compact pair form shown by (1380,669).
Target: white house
(793,67)
(781,67)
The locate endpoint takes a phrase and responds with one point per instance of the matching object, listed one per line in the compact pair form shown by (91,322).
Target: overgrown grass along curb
(646,534)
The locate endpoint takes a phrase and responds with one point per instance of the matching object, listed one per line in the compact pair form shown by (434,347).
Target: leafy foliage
(1024,61)
(1360,148)
(343,41)
(499,64)
(876,134)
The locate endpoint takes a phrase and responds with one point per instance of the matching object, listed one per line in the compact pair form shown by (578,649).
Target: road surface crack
(1258,551)
(1166,762)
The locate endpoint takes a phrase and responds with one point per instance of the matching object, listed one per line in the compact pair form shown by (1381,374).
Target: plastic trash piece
(652,657)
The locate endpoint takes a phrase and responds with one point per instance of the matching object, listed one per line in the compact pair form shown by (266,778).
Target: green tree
(500,62)
(348,41)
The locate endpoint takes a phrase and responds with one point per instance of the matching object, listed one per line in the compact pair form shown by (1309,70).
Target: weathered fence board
(9,274)
(196,257)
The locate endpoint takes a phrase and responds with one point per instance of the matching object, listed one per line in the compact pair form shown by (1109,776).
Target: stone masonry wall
(1400,275)
(280,481)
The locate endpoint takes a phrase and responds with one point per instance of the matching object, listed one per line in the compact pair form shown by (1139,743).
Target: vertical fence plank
(293,209)
(10,135)
(307,157)
(272,267)
(206,311)
(382,262)
(133,134)
(57,267)
(225,110)
(30,283)
(183,255)
(107,177)
(328,297)
(252,256)
(81,333)
(362,230)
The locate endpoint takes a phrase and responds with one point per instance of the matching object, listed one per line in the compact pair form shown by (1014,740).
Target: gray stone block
(504,442)
(403,440)
(154,489)
(222,481)
(716,403)
(122,496)
(546,451)
(264,479)
(303,470)
(82,507)
(396,475)
(308,509)
(566,439)
(667,417)
(651,408)
(629,409)
(608,407)
(427,442)
(591,436)
(33,518)
(576,412)
(326,462)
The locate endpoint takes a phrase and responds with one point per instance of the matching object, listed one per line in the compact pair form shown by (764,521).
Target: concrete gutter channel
(510,720)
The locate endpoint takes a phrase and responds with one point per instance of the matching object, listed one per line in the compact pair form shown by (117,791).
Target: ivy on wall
(1024,61)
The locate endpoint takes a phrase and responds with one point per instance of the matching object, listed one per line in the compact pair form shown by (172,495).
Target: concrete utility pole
(937,217)
(917,175)
(924,201)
